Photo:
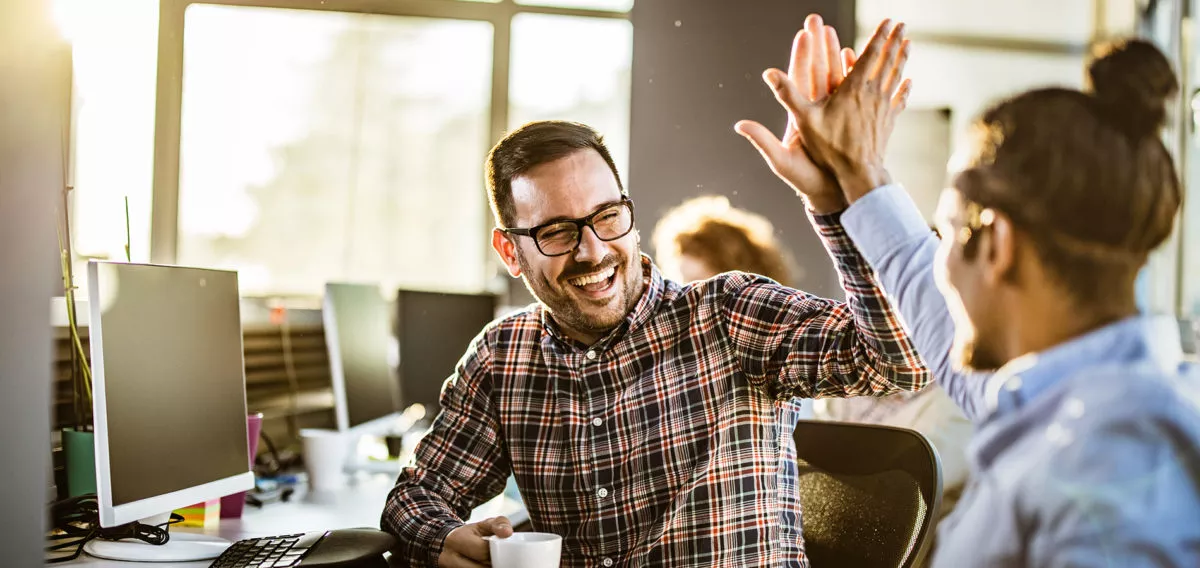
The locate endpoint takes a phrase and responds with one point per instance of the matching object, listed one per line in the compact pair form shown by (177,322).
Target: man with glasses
(647,422)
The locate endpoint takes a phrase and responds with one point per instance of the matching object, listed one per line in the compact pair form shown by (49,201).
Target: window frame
(1164,280)
(164,207)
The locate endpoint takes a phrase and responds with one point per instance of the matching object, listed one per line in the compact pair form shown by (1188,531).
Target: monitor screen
(169,380)
(358,335)
(434,331)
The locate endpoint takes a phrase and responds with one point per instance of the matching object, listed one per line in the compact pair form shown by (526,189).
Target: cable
(276,464)
(77,522)
(289,369)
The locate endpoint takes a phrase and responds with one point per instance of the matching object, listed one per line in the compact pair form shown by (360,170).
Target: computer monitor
(1189,335)
(434,330)
(169,398)
(361,352)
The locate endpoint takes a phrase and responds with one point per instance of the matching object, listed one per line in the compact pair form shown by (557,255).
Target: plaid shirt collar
(647,305)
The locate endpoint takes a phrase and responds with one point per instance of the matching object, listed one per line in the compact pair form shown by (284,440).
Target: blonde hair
(722,236)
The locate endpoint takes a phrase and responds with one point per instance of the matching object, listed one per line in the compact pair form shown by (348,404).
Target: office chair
(869,494)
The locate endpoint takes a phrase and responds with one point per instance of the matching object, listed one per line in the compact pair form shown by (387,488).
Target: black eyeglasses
(557,238)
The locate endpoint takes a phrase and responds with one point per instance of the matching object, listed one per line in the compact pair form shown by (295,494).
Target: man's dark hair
(532,145)
(1085,174)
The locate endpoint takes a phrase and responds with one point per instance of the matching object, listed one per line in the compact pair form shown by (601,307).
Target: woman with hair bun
(1087,443)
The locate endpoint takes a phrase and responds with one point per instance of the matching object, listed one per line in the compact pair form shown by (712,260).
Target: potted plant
(78,439)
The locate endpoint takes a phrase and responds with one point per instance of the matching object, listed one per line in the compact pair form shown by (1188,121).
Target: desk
(358,504)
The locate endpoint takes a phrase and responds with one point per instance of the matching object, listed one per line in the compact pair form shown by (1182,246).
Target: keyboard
(269,552)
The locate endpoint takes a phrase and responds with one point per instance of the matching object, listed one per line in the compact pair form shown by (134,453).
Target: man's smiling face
(591,289)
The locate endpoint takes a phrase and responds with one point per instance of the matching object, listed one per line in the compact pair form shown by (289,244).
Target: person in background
(705,236)
(1087,452)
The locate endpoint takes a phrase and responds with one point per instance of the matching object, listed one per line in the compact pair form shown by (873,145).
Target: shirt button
(607,562)
(602,493)
(591,354)
(597,422)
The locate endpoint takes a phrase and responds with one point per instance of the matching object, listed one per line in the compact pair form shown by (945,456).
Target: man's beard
(568,310)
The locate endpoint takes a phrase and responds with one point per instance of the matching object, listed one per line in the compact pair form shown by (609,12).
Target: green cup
(79,456)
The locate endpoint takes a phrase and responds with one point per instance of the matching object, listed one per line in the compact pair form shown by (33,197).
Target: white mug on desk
(324,458)
(526,550)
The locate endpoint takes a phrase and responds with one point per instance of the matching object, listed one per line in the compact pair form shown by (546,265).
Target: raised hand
(847,133)
(817,67)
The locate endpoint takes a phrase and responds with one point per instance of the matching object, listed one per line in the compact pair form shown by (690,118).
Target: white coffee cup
(324,458)
(526,550)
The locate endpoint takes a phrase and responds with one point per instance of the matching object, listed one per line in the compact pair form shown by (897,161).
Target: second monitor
(433,330)
(359,339)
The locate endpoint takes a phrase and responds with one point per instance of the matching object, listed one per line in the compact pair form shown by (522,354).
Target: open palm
(847,132)
(818,65)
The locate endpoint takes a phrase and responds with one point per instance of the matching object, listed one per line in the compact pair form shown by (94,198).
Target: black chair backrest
(869,494)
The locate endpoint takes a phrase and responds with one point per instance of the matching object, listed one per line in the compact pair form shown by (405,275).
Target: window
(573,68)
(114,47)
(318,144)
(1171,281)
(614,5)
(315,145)
(1190,218)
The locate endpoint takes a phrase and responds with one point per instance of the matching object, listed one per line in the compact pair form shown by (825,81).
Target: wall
(918,152)
(1061,22)
(33,88)
(962,82)
(696,71)
(969,54)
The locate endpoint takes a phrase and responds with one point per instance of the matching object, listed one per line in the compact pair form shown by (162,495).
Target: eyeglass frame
(580,223)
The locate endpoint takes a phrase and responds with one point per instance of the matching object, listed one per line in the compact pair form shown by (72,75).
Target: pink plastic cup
(232,505)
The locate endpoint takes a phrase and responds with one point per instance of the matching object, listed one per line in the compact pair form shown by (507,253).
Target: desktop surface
(358,504)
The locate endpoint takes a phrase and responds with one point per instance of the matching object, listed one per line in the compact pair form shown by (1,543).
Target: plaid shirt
(669,441)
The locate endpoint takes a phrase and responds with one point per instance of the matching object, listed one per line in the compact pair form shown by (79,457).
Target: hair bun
(1132,80)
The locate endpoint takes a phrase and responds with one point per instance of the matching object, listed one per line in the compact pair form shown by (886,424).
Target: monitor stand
(182,547)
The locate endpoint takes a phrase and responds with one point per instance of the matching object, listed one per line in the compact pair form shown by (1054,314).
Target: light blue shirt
(1086,454)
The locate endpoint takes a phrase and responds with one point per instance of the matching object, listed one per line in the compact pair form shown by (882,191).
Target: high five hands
(841,112)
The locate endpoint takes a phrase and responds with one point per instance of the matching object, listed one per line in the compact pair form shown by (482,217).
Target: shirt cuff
(438,541)
(828,223)
(882,221)
(831,232)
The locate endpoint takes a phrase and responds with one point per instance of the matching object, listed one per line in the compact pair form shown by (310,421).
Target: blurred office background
(345,139)
(306,141)
(301,142)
